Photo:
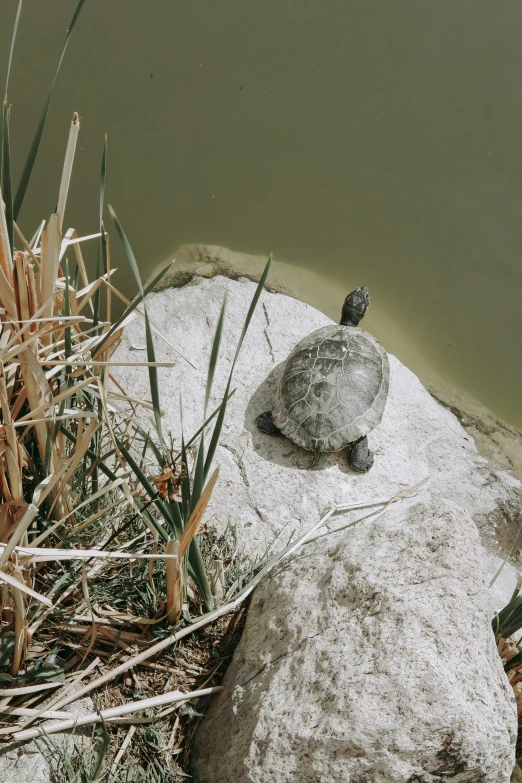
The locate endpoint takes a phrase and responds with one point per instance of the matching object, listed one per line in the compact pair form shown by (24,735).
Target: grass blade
(214,355)
(92,454)
(128,250)
(198,479)
(221,415)
(152,492)
(203,427)
(153,372)
(153,380)
(35,146)
(185,484)
(13,39)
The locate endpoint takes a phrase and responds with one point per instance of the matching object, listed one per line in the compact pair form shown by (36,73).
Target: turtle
(333,388)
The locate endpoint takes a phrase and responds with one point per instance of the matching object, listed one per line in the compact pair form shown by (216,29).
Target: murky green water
(372,142)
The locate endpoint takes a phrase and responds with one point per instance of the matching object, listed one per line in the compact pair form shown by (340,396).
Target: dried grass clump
(92,502)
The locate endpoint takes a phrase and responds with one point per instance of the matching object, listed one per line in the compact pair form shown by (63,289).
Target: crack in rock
(273,661)
(265,332)
(238,462)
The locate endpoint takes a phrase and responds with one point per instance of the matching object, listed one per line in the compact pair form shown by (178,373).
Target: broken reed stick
(114,712)
(124,745)
(67,167)
(43,555)
(22,691)
(20,530)
(379,505)
(89,363)
(51,242)
(30,712)
(12,582)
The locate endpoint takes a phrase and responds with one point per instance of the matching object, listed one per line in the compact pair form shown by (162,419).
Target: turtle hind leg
(265,423)
(361,458)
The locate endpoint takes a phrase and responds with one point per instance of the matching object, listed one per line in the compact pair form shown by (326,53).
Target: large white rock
(264,488)
(368,659)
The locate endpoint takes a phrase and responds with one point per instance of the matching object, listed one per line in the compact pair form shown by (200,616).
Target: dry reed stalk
(56,699)
(7,297)
(6,259)
(67,167)
(91,363)
(31,712)
(21,290)
(124,745)
(51,242)
(16,586)
(217,579)
(20,629)
(11,453)
(21,527)
(26,246)
(28,689)
(113,712)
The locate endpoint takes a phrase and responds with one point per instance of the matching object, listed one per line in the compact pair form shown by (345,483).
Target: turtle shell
(333,388)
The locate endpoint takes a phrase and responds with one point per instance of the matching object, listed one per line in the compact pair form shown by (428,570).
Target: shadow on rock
(276,448)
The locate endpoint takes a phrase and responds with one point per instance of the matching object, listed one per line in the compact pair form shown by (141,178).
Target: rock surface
(370,660)
(264,488)
(498,441)
(370,655)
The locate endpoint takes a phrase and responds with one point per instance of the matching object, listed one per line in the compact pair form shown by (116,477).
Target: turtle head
(355,306)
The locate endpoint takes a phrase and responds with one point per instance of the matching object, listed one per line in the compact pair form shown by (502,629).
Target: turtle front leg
(361,458)
(265,423)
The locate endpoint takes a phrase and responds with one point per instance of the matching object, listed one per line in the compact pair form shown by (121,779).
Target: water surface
(373,143)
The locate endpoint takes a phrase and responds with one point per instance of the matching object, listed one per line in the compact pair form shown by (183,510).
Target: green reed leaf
(152,492)
(153,371)
(222,410)
(214,355)
(153,379)
(13,39)
(131,258)
(35,146)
